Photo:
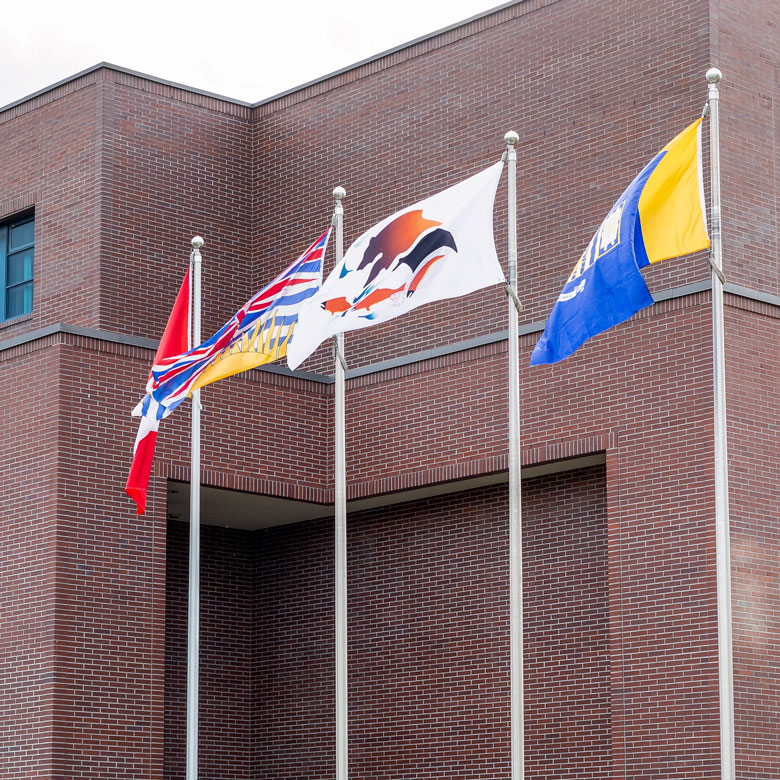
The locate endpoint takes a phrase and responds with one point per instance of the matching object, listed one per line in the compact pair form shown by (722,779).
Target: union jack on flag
(257,333)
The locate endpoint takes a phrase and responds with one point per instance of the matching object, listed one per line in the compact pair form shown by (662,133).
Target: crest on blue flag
(606,286)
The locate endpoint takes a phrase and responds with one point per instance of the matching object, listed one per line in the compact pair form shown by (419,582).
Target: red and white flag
(441,247)
(175,339)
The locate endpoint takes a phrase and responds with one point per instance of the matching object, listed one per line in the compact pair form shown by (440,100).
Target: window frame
(6,226)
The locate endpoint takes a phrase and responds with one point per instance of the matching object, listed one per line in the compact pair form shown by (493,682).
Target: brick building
(104,178)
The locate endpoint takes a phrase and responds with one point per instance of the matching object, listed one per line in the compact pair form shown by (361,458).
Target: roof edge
(128,72)
(387,53)
(272,98)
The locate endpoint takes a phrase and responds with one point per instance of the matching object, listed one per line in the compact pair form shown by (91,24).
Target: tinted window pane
(20,267)
(19,300)
(21,235)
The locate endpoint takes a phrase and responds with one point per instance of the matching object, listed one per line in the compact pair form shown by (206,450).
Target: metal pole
(515,522)
(193,610)
(340,479)
(722,542)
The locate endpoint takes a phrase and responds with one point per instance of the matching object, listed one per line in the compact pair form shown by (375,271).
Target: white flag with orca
(441,247)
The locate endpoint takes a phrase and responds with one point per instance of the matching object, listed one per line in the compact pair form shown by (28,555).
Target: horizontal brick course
(428,642)
(123,170)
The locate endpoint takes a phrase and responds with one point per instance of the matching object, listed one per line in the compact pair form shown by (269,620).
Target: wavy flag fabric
(175,339)
(441,247)
(661,215)
(258,333)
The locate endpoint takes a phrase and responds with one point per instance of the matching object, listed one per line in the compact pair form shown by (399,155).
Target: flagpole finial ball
(197,242)
(339,193)
(714,75)
(511,137)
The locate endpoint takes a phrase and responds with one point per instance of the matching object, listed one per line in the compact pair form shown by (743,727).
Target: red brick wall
(51,159)
(428,640)
(566,611)
(649,405)
(110,574)
(123,171)
(173,168)
(594,89)
(226,654)
(110,627)
(754,488)
(746,47)
(28,504)
(661,572)
(249,429)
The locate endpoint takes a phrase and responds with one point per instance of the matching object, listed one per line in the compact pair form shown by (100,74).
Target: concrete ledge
(373,368)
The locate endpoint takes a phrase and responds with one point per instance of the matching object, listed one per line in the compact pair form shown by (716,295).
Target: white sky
(248,51)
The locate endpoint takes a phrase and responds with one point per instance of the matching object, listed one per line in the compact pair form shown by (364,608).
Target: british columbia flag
(258,333)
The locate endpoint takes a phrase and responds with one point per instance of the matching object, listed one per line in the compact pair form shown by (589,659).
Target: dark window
(16,266)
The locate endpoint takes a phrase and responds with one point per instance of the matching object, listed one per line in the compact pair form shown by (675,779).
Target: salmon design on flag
(441,247)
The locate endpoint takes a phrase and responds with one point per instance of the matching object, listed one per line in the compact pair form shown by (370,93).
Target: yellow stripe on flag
(232,364)
(250,351)
(671,206)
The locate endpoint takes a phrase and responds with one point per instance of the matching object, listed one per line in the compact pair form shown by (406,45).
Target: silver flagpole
(722,542)
(515,521)
(340,478)
(193,612)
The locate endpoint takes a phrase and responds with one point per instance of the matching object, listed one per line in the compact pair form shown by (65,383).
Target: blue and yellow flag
(660,215)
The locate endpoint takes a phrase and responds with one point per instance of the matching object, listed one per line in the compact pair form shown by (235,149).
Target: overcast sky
(247,51)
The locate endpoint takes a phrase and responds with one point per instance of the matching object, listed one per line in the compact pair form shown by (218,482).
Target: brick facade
(122,170)
(28,508)
(428,620)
